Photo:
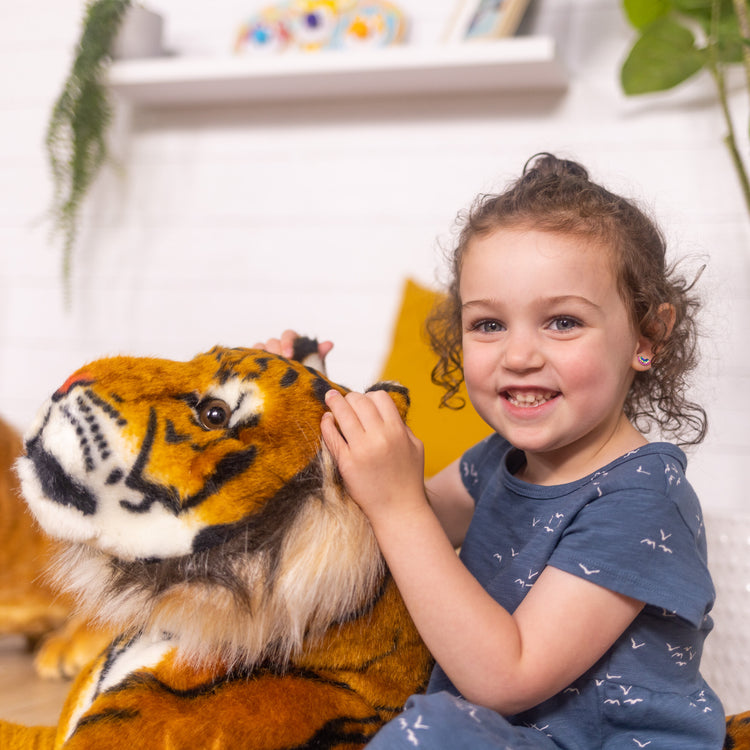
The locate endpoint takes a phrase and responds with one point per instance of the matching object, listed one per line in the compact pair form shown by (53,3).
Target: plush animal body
(202,517)
(28,605)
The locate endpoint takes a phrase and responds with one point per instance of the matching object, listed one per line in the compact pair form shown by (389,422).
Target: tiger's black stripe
(341,731)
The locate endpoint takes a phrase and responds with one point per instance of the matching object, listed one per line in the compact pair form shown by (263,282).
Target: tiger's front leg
(17,737)
(173,707)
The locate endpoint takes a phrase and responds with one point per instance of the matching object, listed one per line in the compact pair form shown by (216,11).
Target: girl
(576,613)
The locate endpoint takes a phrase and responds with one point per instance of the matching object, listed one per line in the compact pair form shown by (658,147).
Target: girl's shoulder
(648,487)
(639,526)
(656,466)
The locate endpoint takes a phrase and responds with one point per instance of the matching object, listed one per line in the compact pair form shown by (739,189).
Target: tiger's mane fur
(253,598)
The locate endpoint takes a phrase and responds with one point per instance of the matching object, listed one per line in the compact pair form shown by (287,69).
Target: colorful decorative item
(370,24)
(311,25)
(314,23)
(269,31)
(485,19)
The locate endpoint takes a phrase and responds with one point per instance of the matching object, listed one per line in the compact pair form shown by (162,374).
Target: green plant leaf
(76,132)
(703,7)
(667,53)
(664,56)
(642,13)
(695,6)
(728,37)
(701,11)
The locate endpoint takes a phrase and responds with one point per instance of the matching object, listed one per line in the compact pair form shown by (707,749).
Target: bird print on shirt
(543,729)
(469,472)
(529,582)
(703,700)
(595,480)
(681,655)
(628,698)
(588,571)
(659,543)
(673,474)
(411,729)
(550,526)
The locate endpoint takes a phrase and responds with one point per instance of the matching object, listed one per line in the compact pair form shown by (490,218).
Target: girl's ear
(655,333)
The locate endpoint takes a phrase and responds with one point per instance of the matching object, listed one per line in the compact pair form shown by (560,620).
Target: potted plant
(679,38)
(77,129)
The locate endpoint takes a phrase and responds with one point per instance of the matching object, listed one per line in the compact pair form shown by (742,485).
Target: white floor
(24,698)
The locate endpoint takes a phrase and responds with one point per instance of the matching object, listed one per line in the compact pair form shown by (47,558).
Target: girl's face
(549,350)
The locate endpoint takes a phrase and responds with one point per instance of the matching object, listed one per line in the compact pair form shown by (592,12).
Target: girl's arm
(508,662)
(451,502)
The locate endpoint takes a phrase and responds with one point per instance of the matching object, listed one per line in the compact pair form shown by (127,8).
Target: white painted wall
(227,225)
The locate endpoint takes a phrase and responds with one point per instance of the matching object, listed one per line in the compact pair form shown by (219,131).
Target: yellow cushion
(446,433)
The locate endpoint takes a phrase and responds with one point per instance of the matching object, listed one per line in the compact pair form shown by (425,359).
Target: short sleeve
(481,464)
(645,544)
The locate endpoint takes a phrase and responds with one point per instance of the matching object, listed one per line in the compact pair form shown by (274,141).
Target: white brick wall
(230,224)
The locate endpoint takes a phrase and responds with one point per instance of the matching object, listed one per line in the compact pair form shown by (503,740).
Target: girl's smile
(525,399)
(549,349)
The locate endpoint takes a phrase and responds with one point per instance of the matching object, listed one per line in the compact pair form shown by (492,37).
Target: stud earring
(645,361)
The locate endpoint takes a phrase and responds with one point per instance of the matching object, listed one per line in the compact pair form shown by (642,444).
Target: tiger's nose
(77,378)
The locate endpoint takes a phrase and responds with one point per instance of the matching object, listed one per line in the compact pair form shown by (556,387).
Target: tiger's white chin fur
(327,566)
(165,531)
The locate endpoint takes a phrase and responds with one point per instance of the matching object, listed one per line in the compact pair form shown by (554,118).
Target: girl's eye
(214,414)
(488,326)
(564,323)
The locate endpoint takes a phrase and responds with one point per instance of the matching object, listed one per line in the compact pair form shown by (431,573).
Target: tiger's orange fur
(201,516)
(28,605)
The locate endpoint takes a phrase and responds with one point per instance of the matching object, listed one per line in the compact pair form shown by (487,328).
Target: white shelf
(513,64)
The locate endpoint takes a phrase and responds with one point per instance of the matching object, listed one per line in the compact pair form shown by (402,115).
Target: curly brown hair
(556,195)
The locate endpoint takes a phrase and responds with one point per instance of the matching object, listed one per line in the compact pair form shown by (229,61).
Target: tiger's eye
(214,414)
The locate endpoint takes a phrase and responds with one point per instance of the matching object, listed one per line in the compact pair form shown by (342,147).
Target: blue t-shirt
(634,527)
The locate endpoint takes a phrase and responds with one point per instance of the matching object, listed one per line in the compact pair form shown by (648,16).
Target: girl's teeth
(529,399)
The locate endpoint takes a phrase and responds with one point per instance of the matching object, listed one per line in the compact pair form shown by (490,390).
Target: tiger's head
(197,498)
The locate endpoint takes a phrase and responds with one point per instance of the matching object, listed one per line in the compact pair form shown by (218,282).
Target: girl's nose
(522,352)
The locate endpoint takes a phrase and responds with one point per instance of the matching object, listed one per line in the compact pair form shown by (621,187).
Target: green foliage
(663,56)
(679,38)
(641,14)
(76,133)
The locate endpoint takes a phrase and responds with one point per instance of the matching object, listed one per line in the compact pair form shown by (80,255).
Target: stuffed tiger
(28,606)
(203,517)
(738,732)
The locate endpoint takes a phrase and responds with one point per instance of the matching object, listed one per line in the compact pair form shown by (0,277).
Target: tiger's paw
(63,653)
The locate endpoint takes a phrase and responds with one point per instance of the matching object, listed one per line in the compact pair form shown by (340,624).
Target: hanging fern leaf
(76,134)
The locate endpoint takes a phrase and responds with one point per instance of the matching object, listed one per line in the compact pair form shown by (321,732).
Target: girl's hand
(284,345)
(380,459)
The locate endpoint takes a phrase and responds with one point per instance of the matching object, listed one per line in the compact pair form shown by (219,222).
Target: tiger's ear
(306,351)
(398,392)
